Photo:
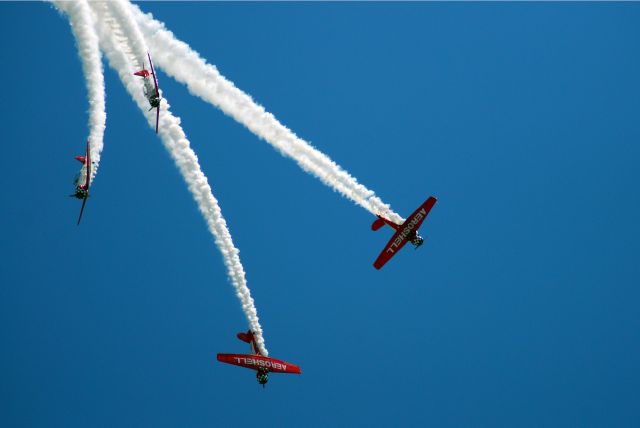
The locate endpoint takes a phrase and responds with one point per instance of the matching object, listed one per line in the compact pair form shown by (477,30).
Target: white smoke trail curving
(83,27)
(122,44)
(203,80)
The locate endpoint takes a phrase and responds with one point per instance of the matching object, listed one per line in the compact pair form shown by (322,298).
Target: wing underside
(256,362)
(153,73)
(394,245)
(403,231)
(155,83)
(87,180)
(84,202)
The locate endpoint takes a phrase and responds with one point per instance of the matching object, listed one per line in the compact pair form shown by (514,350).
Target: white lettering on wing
(260,363)
(406,231)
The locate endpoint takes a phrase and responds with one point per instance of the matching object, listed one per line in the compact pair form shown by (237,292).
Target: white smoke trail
(83,27)
(203,80)
(122,44)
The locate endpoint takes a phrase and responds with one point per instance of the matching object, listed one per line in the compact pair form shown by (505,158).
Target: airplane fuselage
(150,93)
(405,232)
(263,365)
(408,230)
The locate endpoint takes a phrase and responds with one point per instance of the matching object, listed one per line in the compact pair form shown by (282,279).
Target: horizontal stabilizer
(378,223)
(142,73)
(246,337)
(81,159)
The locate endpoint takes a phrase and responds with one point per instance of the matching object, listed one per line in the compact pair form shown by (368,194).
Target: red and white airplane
(82,183)
(258,362)
(151,92)
(405,232)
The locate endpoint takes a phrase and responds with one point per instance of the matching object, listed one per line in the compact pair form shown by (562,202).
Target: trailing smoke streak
(117,30)
(203,80)
(83,28)
(135,42)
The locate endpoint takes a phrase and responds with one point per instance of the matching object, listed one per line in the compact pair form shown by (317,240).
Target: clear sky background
(521,309)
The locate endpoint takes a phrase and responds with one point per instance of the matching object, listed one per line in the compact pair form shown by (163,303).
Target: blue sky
(519,310)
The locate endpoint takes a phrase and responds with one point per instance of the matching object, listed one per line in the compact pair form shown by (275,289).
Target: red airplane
(256,361)
(82,190)
(151,92)
(405,232)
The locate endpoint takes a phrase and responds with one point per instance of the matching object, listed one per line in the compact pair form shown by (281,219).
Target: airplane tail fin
(246,337)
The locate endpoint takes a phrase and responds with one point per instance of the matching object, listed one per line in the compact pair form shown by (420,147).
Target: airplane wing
(256,362)
(155,82)
(87,180)
(153,73)
(418,216)
(86,183)
(84,202)
(399,239)
(157,117)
